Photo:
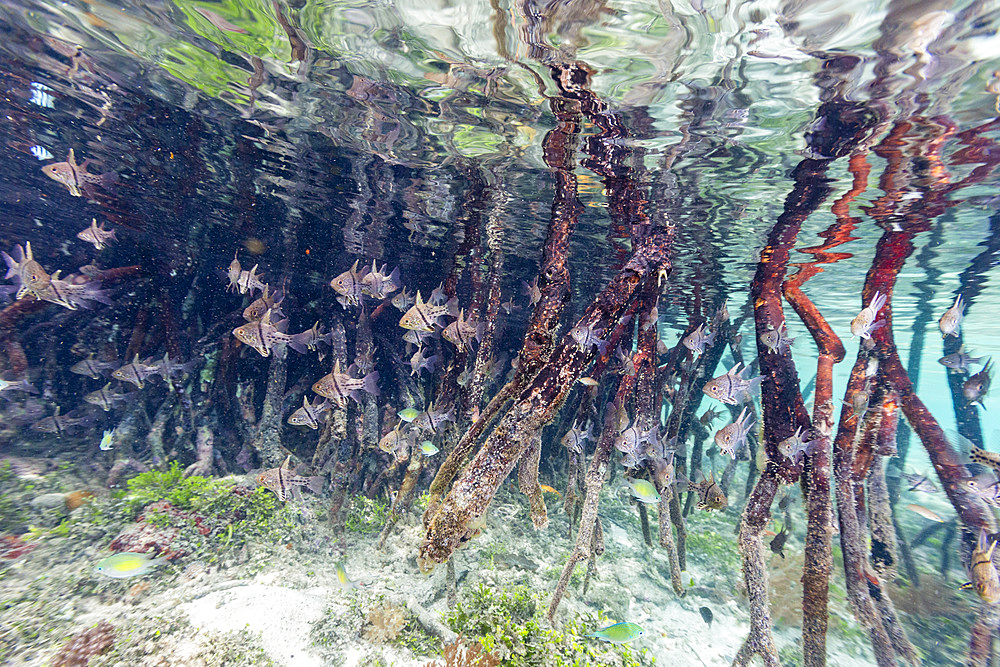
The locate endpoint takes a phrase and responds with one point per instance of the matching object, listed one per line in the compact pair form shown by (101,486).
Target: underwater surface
(447,333)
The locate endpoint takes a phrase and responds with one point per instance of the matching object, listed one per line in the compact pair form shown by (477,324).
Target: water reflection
(590,183)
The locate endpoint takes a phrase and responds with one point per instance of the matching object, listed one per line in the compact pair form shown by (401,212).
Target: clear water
(304,136)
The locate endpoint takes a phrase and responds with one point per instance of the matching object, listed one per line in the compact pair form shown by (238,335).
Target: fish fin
(315,484)
(297,341)
(452,307)
(371,383)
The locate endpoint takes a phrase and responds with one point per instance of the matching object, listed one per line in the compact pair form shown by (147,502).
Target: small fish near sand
(283,482)
(619,633)
(706,615)
(343,580)
(127,564)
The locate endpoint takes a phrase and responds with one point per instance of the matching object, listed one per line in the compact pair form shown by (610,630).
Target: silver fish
(23,268)
(777,340)
(532,292)
(794,447)
(959,361)
(630,439)
(74,292)
(864,324)
(919,482)
(575,437)
(397,443)
(730,439)
(309,413)
(75,176)
(309,339)
(859,402)
(587,336)
(462,332)
(952,318)
(698,340)
(17,385)
(93,368)
(420,362)
(424,316)
(266,301)
(731,388)
(348,285)
(136,372)
(403,300)
(340,387)
(378,284)
(105,398)
(97,235)
(283,482)
(263,335)
(433,420)
(974,389)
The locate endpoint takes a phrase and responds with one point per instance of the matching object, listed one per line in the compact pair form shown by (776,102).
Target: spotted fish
(309,414)
(340,387)
(423,316)
(283,482)
(985,578)
(97,235)
(75,176)
(348,285)
(731,388)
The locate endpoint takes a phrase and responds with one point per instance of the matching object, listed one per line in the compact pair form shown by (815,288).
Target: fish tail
(315,484)
(11,265)
(371,383)
(298,341)
(452,307)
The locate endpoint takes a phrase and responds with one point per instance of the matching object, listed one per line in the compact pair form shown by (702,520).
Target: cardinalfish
(58,423)
(395,442)
(777,544)
(859,402)
(105,398)
(378,284)
(864,324)
(462,332)
(136,372)
(985,579)
(423,316)
(974,389)
(75,176)
(339,387)
(733,437)
(268,300)
(241,280)
(575,437)
(710,495)
(984,457)
(348,285)
(92,368)
(952,318)
(309,414)
(17,385)
(633,436)
(776,340)
(959,361)
(97,235)
(698,340)
(433,420)
(310,339)
(283,482)
(587,336)
(794,447)
(731,388)
(403,300)
(264,335)
(531,291)
(72,293)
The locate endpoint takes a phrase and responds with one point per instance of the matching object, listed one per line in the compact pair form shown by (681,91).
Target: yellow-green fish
(619,633)
(343,579)
(107,441)
(643,491)
(127,564)
(408,414)
(427,448)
